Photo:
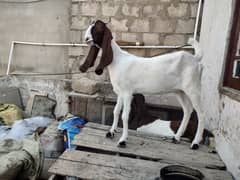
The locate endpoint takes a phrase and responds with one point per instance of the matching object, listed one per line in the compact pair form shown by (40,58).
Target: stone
(174,40)
(85,85)
(194,8)
(185,26)
(140,25)
(151,39)
(109,10)
(132,37)
(89,9)
(130,10)
(119,25)
(74,9)
(177,11)
(79,23)
(162,26)
(150,11)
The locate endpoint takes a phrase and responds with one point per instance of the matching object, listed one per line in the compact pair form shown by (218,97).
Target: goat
(177,72)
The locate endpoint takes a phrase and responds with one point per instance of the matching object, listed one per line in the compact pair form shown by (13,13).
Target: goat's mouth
(89,42)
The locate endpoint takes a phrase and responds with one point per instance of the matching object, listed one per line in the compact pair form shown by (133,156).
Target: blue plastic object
(71,127)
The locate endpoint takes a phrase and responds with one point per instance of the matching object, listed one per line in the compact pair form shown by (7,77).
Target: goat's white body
(178,72)
(155,75)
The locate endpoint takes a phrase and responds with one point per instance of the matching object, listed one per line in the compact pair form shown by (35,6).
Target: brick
(177,11)
(162,26)
(79,23)
(89,9)
(132,37)
(174,40)
(150,39)
(185,26)
(119,25)
(75,9)
(194,8)
(109,10)
(130,11)
(150,11)
(85,85)
(140,25)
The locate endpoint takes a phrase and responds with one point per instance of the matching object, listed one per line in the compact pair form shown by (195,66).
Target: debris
(43,106)
(20,159)
(71,127)
(11,95)
(9,113)
(23,128)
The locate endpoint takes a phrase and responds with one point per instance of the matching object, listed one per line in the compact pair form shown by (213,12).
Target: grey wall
(221,112)
(44,21)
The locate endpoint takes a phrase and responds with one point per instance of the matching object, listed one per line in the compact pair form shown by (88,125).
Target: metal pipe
(197,19)
(10,58)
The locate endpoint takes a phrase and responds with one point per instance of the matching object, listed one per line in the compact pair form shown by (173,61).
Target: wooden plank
(87,165)
(147,148)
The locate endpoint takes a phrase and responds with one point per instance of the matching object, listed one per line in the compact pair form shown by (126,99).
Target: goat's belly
(155,87)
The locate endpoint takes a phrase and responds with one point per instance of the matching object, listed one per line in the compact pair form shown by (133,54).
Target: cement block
(185,26)
(162,26)
(119,25)
(151,39)
(132,37)
(89,9)
(130,10)
(140,25)
(109,10)
(85,85)
(11,95)
(174,40)
(177,11)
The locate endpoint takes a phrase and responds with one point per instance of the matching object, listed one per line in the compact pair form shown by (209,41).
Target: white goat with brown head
(177,72)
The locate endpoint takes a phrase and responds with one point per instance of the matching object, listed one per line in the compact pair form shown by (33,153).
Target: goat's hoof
(195,146)
(110,135)
(122,144)
(175,141)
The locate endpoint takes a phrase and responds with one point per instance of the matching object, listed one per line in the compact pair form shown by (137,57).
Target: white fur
(158,127)
(178,72)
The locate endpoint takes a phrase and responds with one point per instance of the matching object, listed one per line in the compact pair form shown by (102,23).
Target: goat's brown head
(98,36)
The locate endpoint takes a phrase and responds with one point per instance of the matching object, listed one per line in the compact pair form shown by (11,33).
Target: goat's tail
(197,49)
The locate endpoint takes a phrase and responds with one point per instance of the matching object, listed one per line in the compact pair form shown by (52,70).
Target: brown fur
(102,36)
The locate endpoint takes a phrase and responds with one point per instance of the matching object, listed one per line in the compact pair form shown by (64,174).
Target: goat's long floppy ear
(91,58)
(107,53)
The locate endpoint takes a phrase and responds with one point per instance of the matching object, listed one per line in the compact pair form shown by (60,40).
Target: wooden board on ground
(97,157)
(86,165)
(147,147)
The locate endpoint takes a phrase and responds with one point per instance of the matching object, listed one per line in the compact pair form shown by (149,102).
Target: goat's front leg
(127,99)
(116,113)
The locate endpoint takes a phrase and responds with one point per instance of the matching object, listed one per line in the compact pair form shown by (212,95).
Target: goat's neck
(116,49)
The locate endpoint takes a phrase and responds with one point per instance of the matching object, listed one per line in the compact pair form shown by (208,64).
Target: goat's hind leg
(195,99)
(116,113)
(187,111)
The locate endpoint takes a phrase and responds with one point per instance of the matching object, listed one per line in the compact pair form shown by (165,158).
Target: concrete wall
(222,112)
(44,21)
(167,22)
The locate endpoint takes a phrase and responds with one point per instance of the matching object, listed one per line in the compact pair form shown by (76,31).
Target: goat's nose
(87,39)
